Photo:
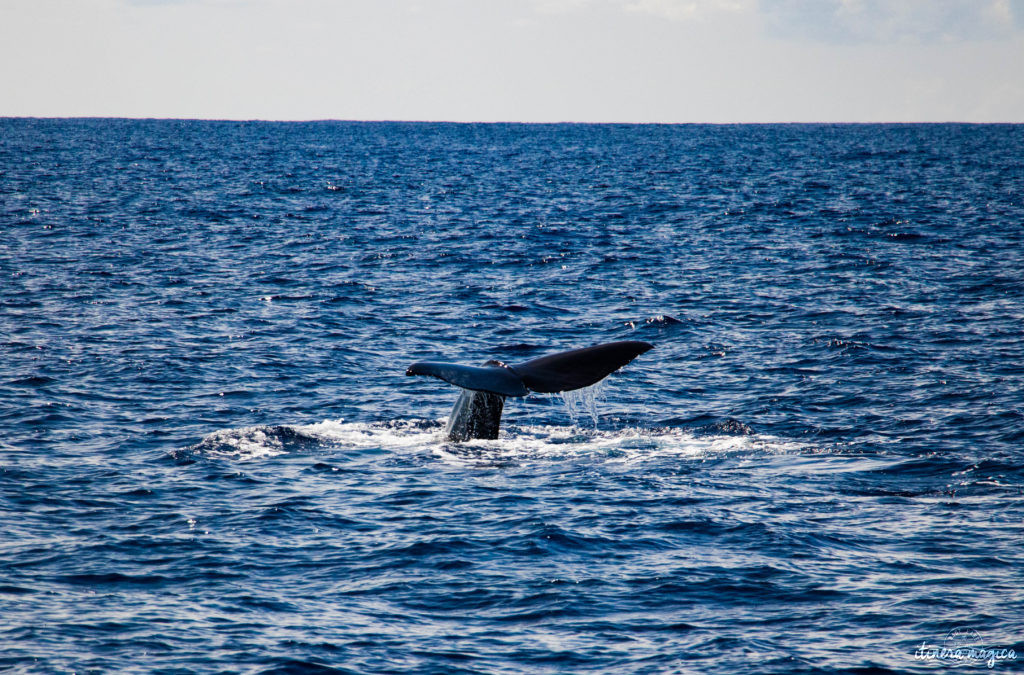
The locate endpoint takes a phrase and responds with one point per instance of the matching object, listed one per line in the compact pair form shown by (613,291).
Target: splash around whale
(477,412)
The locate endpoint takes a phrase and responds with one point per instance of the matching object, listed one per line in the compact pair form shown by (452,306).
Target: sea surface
(211,459)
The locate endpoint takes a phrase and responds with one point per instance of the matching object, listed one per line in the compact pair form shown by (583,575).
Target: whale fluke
(578,368)
(494,376)
(477,413)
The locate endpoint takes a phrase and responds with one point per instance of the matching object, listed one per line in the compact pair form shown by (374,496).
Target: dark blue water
(212,460)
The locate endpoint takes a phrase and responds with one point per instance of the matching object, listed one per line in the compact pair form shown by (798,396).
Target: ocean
(212,459)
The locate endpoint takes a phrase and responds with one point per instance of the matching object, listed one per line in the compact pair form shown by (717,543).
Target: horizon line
(316,120)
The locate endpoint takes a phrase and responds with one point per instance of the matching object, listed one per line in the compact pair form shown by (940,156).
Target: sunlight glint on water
(212,459)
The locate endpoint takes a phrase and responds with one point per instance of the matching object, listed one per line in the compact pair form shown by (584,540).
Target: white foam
(628,446)
(358,435)
(246,443)
(516,444)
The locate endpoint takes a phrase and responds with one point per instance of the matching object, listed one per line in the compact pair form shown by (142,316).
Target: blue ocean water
(212,460)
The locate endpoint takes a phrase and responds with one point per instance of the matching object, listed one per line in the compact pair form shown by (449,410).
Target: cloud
(832,21)
(886,21)
(158,3)
(231,4)
(677,10)
(688,9)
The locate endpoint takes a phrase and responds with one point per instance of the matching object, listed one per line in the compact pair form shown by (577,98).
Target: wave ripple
(213,462)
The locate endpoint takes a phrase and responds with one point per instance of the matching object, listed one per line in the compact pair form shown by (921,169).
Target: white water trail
(516,444)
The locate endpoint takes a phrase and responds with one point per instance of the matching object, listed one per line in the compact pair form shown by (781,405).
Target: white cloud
(886,21)
(677,10)
(832,21)
(560,6)
(533,60)
(681,10)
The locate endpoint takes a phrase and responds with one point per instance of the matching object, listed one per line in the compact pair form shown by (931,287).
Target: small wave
(659,321)
(250,443)
(266,441)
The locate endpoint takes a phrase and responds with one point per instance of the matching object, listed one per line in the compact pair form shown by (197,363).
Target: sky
(718,61)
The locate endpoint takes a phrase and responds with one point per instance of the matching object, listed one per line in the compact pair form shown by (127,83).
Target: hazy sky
(516,60)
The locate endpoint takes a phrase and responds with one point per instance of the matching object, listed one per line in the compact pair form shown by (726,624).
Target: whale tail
(477,413)
(578,368)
